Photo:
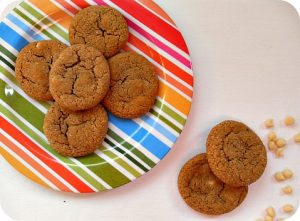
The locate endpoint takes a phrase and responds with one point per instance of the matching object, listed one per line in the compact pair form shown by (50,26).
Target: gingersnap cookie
(133,85)
(236,155)
(204,192)
(99,26)
(75,133)
(79,79)
(33,66)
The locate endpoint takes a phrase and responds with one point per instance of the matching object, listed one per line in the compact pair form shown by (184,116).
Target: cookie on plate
(133,86)
(33,66)
(236,155)
(79,79)
(99,26)
(75,134)
(204,192)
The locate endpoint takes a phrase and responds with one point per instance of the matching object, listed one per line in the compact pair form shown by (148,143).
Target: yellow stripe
(21,168)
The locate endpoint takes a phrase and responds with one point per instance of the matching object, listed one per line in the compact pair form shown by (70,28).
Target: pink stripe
(160,44)
(157,42)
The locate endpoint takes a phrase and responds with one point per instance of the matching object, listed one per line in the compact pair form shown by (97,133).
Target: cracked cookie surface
(79,78)
(33,65)
(235,153)
(99,26)
(133,86)
(75,133)
(204,192)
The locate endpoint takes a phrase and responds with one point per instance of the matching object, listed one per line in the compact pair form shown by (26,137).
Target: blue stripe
(140,135)
(27,29)
(12,37)
(165,132)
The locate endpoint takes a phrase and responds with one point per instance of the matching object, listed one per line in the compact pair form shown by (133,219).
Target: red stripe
(66,5)
(153,22)
(44,156)
(82,4)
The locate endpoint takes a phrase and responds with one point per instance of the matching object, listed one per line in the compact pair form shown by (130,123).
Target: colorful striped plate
(132,147)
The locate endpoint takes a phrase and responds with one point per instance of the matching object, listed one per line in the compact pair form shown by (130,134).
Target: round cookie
(79,79)
(75,134)
(235,153)
(133,86)
(33,66)
(99,26)
(204,192)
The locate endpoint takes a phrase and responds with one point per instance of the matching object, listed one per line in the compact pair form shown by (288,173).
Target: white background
(246,58)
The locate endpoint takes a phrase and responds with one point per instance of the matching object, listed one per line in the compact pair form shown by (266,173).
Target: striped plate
(132,147)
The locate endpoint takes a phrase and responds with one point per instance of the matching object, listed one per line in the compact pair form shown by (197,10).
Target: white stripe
(8,59)
(41,136)
(135,144)
(35,103)
(153,12)
(28,166)
(166,126)
(165,71)
(62,8)
(175,48)
(114,164)
(42,13)
(39,161)
(41,24)
(74,5)
(97,178)
(18,30)
(127,152)
(121,156)
(8,47)
(162,52)
(154,132)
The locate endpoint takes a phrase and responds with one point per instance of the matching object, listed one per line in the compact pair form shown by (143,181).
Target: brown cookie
(75,134)
(235,153)
(33,66)
(79,78)
(133,85)
(99,26)
(204,192)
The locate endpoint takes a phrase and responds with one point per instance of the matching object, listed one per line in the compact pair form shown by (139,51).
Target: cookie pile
(92,71)
(217,182)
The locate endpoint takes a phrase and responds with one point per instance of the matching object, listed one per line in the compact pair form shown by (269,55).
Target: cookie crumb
(280,142)
(271,211)
(297,138)
(288,174)
(289,121)
(288,208)
(272,136)
(269,123)
(279,152)
(272,146)
(287,189)
(279,176)
(268,218)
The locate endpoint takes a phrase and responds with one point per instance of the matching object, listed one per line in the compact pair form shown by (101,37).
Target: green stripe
(31,22)
(46,21)
(8,53)
(125,154)
(13,80)
(170,112)
(131,148)
(40,141)
(36,118)
(121,162)
(107,172)
(166,121)
(12,67)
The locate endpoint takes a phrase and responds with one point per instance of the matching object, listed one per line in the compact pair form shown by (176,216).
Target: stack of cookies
(80,78)
(217,182)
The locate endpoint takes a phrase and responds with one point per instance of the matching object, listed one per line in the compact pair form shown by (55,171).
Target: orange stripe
(53,12)
(150,4)
(21,168)
(34,164)
(170,95)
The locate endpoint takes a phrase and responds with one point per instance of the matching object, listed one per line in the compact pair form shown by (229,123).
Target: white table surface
(245,56)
